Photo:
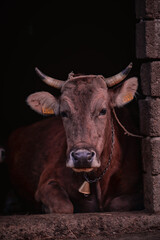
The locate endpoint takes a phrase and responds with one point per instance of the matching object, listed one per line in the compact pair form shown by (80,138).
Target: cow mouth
(82,169)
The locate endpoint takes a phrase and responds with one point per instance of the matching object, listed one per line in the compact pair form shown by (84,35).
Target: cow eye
(64,115)
(103,111)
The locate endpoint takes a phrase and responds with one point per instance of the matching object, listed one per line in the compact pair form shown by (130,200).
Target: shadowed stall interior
(58,38)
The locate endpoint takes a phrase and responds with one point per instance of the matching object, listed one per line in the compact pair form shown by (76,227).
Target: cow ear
(125,93)
(43,103)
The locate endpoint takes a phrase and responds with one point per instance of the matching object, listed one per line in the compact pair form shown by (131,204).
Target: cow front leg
(54,198)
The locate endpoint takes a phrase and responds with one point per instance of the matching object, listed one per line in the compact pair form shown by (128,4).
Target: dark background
(58,38)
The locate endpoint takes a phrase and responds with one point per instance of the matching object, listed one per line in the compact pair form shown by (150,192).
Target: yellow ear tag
(128,97)
(47,110)
(85,188)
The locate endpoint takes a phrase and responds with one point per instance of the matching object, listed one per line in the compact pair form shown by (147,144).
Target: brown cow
(89,164)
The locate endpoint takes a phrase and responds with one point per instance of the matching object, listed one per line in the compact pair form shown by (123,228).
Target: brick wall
(148,52)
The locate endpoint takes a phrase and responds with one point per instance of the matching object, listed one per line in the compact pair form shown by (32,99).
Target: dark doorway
(59,39)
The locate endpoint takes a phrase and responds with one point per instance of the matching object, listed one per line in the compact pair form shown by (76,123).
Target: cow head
(85,107)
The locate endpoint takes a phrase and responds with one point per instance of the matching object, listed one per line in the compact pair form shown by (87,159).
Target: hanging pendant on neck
(85,188)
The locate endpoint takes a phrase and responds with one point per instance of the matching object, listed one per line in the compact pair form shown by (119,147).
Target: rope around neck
(124,129)
(112,146)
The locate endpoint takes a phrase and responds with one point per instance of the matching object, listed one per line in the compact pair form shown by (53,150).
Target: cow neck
(95,180)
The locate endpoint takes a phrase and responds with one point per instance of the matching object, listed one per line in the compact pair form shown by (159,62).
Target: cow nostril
(74,156)
(90,156)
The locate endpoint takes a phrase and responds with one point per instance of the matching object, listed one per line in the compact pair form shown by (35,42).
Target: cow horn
(111,81)
(50,81)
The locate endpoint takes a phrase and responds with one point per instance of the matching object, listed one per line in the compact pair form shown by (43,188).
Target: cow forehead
(84,84)
(87,92)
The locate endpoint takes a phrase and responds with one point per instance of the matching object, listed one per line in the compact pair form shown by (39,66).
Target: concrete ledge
(78,226)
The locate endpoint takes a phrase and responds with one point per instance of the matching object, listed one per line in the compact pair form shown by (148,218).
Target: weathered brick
(147,39)
(150,116)
(149,9)
(150,78)
(152,192)
(151,155)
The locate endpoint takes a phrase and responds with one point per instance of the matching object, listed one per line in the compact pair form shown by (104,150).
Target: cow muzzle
(82,160)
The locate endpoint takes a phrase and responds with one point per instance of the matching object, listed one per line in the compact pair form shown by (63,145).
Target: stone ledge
(77,226)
